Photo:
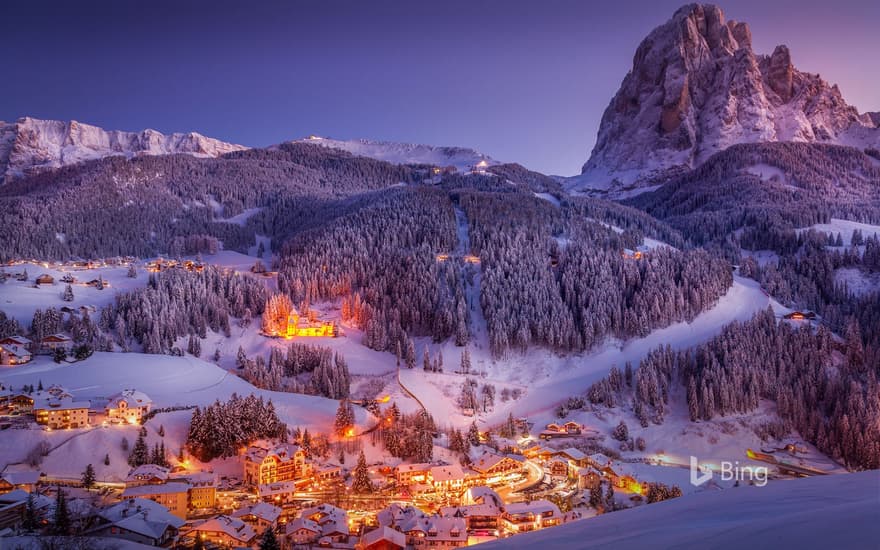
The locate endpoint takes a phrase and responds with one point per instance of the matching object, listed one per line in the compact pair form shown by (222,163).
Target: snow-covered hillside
(31,144)
(845,228)
(546,379)
(169,381)
(462,158)
(19,299)
(821,512)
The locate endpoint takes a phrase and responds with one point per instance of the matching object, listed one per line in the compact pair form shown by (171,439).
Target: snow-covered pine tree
(361,484)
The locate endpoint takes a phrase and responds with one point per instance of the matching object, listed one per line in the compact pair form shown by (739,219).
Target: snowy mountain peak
(31,144)
(462,158)
(695,88)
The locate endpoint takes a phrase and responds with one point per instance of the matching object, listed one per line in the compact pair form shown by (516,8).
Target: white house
(128,406)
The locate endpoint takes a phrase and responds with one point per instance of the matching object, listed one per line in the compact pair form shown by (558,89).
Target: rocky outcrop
(30,144)
(695,88)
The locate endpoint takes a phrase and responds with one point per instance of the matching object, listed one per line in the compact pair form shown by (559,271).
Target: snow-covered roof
(534,507)
(279,488)
(57,337)
(14,497)
(161,489)
(448,472)
(233,527)
(385,533)
(467,510)
(481,493)
(439,528)
(59,404)
(282,453)
(147,471)
(574,454)
(330,518)
(195,479)
(16,350)
(28,477)
(142,516)
(489,460)
(419,467)
(396,514)
(16,339)
(132,398)
(260,510)
(600,459)
(302,523)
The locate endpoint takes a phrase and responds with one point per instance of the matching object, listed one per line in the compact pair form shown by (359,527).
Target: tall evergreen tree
(61,520)
(269,541)
(361,483)
(31,521)
(140,454)
(88,477)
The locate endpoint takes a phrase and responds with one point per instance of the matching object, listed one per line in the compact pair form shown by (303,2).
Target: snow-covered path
(479,339)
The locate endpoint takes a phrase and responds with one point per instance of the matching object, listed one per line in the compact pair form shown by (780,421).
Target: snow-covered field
(463,159)
(819,512)
(845,228)
(857,281)
(767,173)
(19,299)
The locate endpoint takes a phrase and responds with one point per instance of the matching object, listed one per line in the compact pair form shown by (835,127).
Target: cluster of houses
(490,468)
(78,264)
(588,470)
(179,493)
(159,507)
(279,471)
(569,429)
(18,350)
(56,408)
(162,264)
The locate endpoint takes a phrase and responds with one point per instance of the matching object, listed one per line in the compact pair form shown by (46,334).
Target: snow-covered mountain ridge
(31,144)
(695,88)
(462,158)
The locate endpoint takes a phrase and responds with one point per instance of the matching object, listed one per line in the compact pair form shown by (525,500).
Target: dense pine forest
(399,251)
(558,277)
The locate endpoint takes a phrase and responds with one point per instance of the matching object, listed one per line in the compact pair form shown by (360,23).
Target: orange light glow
(349,432)
(384,399)
(634,486)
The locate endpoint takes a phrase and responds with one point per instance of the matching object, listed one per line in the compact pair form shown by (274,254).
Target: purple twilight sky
(521,81)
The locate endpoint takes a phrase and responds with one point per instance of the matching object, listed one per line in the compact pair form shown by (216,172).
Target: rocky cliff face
(30,144)
(695,88)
